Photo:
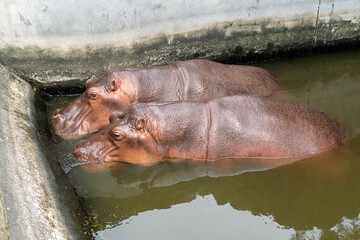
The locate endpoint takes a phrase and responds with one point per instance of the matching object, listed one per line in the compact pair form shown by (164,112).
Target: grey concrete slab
(65,25)
(66,42)
(39,205)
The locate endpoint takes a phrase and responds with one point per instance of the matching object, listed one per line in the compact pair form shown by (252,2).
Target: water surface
(316,198)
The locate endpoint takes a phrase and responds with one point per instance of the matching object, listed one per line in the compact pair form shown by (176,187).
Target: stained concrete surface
(63,43)
(38,203)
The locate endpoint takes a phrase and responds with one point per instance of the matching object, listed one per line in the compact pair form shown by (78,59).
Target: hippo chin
(227,127)
(195,80)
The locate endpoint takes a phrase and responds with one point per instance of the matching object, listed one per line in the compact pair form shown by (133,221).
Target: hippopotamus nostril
(77,153)
(58,121)
(80,154)
(57,111)
(59,117)
(79,144)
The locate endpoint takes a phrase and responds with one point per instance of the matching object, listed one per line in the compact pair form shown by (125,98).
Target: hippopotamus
(228,127)
(117,90)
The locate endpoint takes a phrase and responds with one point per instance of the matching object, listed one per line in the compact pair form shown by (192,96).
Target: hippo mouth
(65,129)
(85,156)
(107,156)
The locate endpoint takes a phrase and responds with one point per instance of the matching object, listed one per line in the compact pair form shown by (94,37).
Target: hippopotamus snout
(83,153)
(86,151)
(58,117)
(61,123)
(57,111)
(69,124)
(58,120)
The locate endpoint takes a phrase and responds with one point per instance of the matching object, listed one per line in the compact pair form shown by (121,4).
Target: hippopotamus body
(117,90)
(227,127)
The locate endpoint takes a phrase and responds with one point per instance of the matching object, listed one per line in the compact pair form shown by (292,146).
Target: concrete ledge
(64,43)
(39,204)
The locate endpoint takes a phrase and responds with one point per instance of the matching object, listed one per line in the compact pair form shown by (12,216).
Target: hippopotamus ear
(116,116)
(140,124)
(114,85)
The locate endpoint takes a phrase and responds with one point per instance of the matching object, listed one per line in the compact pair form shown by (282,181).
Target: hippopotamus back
(264,128)
(198,80)
(204,79)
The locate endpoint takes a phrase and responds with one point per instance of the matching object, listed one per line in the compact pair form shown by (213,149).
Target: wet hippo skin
(117,90)
(227,127)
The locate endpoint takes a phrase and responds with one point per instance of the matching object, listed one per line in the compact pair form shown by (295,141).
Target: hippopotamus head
(131,137)
(91,111)
(147,133)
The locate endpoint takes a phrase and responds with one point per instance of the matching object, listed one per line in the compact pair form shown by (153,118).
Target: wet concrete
(38,201)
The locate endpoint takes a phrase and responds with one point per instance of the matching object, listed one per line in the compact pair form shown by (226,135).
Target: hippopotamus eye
(118,136)
(93,95)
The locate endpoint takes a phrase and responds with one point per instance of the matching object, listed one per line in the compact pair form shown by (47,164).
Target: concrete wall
(80,23)
(71,40)
(36,199)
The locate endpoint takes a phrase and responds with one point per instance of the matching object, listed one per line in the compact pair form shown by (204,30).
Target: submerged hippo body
(194,80)
(227,127)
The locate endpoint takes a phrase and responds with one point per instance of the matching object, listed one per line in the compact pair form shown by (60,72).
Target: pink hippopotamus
(228,127)
(118,90)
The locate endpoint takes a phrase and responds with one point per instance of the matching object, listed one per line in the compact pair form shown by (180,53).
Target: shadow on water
(312,198)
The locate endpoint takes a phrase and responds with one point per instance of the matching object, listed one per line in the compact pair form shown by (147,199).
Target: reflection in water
(208,221)
(128,179)
(314,198)
(300,196)
(348,228)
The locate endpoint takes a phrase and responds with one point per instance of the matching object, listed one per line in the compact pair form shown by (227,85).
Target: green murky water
(315,198)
